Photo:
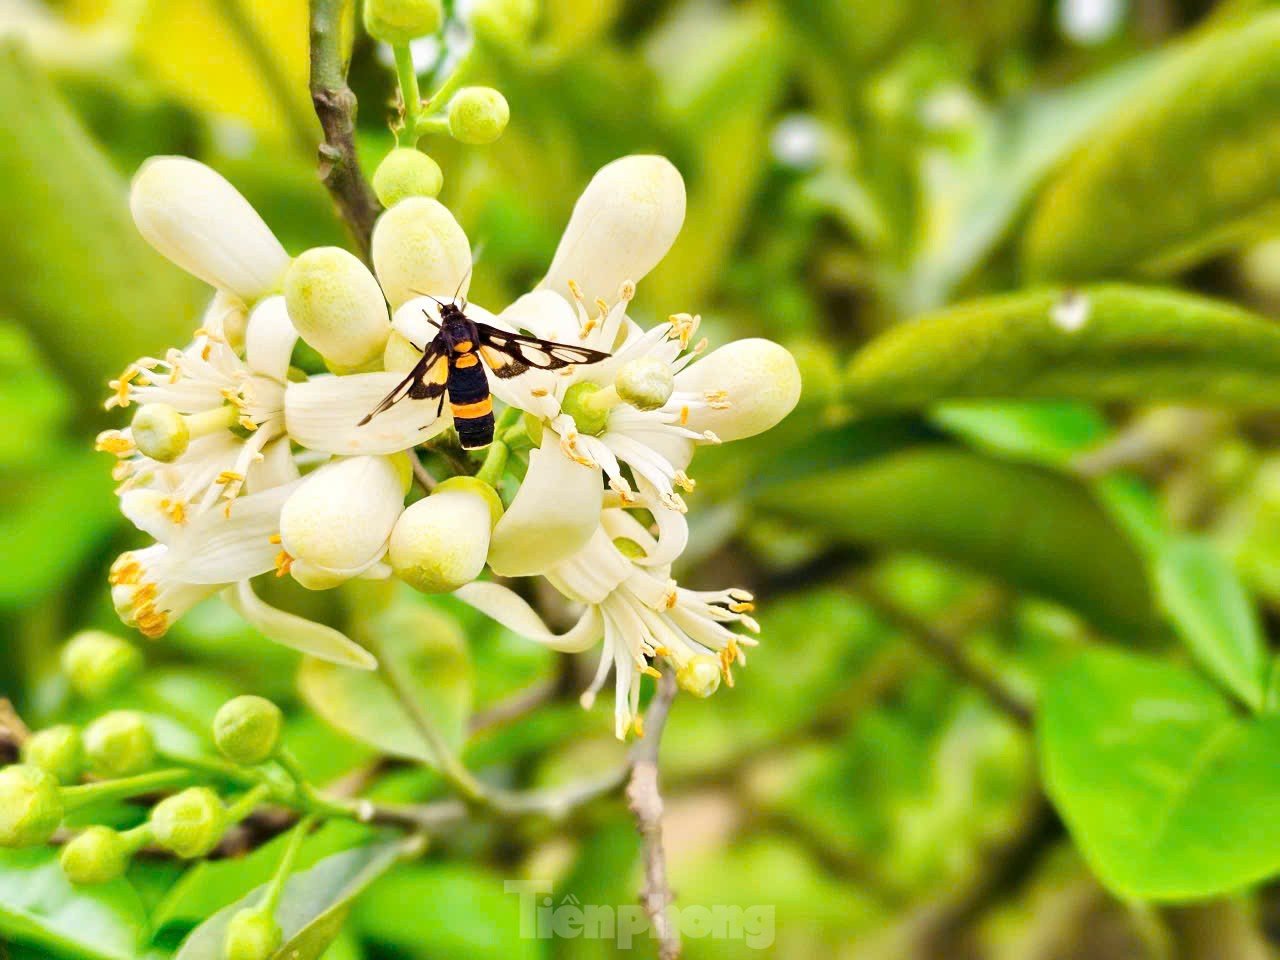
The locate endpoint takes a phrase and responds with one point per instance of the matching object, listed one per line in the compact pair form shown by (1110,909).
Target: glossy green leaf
(1188,166)
(431,651)
(1211,611)
(313,907)
(1037,431)
(1167,792)
(1036,530)
(40,906)
(34,404)
(1103,343)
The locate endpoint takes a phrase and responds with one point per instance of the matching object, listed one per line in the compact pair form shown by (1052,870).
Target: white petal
(147,510)
(419,248)
(544,314)
(193,216)
(277,467)
(554,514)
(324,413)
(594,572)
(506,607)
(286,629)
(623,225)
(269,339)
(214,547)
(758,379)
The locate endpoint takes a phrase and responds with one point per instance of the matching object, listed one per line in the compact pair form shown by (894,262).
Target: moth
(450,369)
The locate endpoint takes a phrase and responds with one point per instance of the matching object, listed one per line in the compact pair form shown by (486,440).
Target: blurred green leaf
(430,650)
(1168,793)
(34,404)
(72,267)
(1110,342)
(313,907)
(1214,616)
(1033,529)
(1188,166)
(40,906)
(1039,432)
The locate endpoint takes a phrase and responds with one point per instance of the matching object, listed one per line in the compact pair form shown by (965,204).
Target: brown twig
(336,107)
(645,801)
(13,732)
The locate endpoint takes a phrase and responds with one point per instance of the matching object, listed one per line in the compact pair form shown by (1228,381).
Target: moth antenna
(465,277)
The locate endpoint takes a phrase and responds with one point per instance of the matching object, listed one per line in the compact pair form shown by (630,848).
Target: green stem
(215,768)
(248,803)
(73,798)
(461,74)
(409,93)
(138,837)
(429,125)
(271,896)
(495,463)
(309,799)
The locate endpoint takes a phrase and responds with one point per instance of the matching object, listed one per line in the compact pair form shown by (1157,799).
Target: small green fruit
(478,115)
(58,751)
(98,855)
(189,823)
(247,730)
(99,664)
(400,21)
(30,806)
(119,744)
(406,172)
(252,934)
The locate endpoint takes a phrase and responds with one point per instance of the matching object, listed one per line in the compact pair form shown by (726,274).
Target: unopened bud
(645,383)
(252,934)
(99,664)
(337,307)
(478,115)
(98,855)
(406,172)
(700,675)
(507,23)
(160,432)
(399,21)
(58,751)
(590,414)
(119,744)
(247,730)
(441,542)
(30,806)
(189,824)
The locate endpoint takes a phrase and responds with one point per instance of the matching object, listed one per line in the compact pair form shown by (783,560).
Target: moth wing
(427,379)
(511,354)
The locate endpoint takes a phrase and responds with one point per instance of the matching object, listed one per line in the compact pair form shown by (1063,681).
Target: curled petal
(622,226)
(506,607)
(297,633)
(269,339)
(324,413)
(276,468)
(741,389)
(552,517)
(192,215)
(226,544)
(419,248)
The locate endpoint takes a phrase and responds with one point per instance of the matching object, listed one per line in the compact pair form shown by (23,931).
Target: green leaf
(1187,167)
(40,906)
(430,650)
(1038,431)
(1168,793)
(1212,613)
(1133,343)
(313,907)
(33,402)
(1036,530)
(73,269)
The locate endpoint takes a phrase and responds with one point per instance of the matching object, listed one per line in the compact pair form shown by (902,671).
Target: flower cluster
(239,464)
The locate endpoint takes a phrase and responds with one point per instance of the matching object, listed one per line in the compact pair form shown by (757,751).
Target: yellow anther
(284,563)
(684,416)
(627,292)
(229,476)
(638,725)
(684,481)
(576,291)
(649,671)
(114,442)
(121,387)
(661,652)
(275,538)
(717,399)
(176,510)
(248,424)
(539,392)
(742,607)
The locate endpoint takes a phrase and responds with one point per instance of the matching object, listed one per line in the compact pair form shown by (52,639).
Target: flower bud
(580,402)
(57,751)
(160,432)
(189,823)
(700,675)
(406,172)
(99,664)
(441,542)
(645,383)
(418,247)
(507,23)
(247,730)
(98,855)
(478,115)
(337,307)
(252,934)
(119,744)
(746,387)
(336,524)
(399,21)
(30,806)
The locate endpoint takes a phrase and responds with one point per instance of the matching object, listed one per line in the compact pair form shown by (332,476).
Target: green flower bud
(58,751)
(160,432)
(646,383)
(99,664)
(700,675)
(337,307)
(252,934)
(247,730)
(507,23)
(406,172)
(30,806)
(589,414)
(189,823)
(98,855)
(478,115)
(399,21)
(119,744)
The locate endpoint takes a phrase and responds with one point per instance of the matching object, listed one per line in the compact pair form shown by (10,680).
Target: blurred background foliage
(1015,689)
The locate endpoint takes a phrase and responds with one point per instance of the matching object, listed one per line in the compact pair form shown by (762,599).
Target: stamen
(627,291)
(684,416)
(684,481)
(121,387)
(275,538)
(284,562)
(114,442)
(717,399)
(638,725)
(175,510)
